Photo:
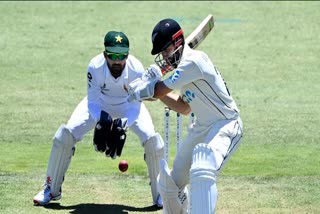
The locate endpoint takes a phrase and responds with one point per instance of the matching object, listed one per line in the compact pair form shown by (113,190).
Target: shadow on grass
(101,208)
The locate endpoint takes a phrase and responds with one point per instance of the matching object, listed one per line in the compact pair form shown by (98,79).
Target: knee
(203,163)
(64,137)
(154,144)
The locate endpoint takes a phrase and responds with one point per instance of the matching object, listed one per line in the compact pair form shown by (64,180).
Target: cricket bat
(201,32)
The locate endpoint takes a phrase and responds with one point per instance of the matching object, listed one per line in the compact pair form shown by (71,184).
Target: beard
(116,70)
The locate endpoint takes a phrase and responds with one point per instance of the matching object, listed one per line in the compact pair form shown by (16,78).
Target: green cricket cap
(116,42)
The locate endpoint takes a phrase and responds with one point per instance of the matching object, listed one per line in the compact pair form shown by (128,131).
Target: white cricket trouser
(223,137)
(139,119)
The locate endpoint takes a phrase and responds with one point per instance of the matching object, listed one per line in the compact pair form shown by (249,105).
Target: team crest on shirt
(188,96)
(174,76)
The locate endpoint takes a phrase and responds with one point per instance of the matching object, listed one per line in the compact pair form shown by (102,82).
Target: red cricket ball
(123,165)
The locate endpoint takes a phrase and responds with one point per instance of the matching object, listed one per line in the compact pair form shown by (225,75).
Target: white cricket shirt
(105,90)
(201,85)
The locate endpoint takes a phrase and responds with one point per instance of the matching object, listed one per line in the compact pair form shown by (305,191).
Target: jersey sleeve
(137,67)
(93,93)
(187,72)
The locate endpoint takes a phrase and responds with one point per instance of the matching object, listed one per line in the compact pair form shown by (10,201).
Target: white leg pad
(175,200)
(153,154)
(61,153)
(203,189)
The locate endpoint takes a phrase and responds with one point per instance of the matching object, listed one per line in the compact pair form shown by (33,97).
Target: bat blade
(201,32)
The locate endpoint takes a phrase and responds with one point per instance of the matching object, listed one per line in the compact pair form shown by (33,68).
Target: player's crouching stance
(109,138)
(216,132)
(106,110)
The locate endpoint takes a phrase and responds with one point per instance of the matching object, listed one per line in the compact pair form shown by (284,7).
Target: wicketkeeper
(216,132)
(106,110)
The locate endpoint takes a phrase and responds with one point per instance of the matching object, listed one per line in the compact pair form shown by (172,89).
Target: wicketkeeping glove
(117,138)
(102,132)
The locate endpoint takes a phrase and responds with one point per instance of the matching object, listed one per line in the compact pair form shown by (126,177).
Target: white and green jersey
(110,95)
(107,92)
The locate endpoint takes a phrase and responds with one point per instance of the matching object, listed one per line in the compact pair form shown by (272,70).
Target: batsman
(217,130)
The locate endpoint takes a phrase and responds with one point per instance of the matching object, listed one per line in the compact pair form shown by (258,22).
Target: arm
(93,94)
(171,99)
(160,90)
(141,90)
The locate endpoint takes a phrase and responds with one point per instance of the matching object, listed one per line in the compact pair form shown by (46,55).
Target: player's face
(168,52)
(116,63)
(172,55)
(165,59)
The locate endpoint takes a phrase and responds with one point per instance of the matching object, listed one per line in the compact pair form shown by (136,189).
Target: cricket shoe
(159,202)
(45,196)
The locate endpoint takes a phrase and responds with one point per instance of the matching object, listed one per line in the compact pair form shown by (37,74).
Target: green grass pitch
(267,52)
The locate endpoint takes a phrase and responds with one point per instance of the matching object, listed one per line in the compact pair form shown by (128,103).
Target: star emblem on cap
(118,39)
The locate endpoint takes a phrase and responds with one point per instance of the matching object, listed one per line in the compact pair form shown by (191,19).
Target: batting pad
(60,158)
(203,189)
(175,201)
(153,149)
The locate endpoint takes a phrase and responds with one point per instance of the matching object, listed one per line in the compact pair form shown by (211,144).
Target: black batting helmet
(166,32)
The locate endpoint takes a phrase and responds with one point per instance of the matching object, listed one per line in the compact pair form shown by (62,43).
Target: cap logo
(118,39)
(167,24)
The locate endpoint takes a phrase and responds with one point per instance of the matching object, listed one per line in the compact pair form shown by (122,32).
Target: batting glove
(140,90)
(152,73)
